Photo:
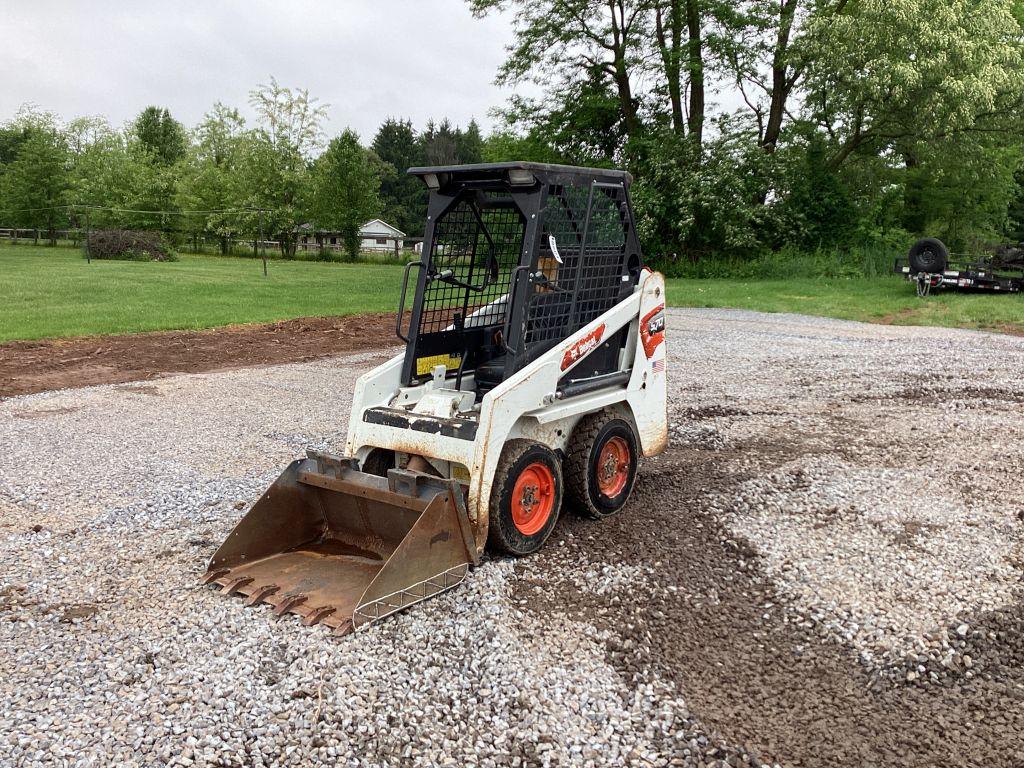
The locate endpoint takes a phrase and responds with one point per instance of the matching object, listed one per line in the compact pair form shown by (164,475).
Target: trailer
(930,266)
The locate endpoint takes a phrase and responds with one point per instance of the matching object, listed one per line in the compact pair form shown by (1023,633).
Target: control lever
(541,279)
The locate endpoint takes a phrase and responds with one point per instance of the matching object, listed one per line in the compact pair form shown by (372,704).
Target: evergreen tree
(403,197)
(469,144)
(160,135)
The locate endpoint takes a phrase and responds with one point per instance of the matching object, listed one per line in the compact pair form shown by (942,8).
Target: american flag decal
(658,366)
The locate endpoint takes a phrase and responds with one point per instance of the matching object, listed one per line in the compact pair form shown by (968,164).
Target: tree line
(753,125)
(750,126)
(223,180)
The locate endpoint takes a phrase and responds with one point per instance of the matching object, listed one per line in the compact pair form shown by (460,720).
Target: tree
(887,74)
(507,145)
(1015,212)
(117,170)
(344,185)
(585,127)
(965,188)
(934,86)
(700,207)
(291,117)
(404,198)
(160,135)
(102,175)
(439,144)
(558,41)
(205,181)
(469,144)
(679,34)
(11,138)
(273,161)
(819,210)
(34,185)
(269,182)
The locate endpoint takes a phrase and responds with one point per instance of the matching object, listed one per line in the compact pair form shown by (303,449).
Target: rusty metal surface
(336,546)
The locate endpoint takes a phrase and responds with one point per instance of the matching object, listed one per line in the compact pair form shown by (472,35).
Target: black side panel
(461,429)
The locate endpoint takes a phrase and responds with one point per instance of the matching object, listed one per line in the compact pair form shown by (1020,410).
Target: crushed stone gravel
(824,568)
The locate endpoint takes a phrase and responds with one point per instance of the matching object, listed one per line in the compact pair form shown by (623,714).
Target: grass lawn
(881,300)
(47,292)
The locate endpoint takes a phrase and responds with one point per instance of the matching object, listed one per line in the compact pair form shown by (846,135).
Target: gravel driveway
(824,569)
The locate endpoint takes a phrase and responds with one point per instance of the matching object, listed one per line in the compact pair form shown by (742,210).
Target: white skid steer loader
(533,376)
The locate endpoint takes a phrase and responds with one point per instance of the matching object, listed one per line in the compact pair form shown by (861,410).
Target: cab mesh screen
(592,250)
(475,245)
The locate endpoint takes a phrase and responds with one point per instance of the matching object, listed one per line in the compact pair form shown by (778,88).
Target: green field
(889,300)
(52,292)
(47,292)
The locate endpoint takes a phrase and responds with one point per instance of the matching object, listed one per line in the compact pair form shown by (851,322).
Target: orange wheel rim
(533,498)
(613,467)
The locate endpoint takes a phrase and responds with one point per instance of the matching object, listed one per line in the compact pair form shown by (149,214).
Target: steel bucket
(344,548)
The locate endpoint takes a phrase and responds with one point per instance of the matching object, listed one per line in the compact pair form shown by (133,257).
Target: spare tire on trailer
(928,255)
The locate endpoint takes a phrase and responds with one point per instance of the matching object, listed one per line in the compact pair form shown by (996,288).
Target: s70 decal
(652,329)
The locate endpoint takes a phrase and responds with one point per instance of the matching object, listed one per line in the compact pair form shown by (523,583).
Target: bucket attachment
(344,548)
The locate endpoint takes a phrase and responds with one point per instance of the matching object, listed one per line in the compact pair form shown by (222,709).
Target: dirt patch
(911,532)
(1010,329)
(707,618)
(940,396)
(719,412)
(38,366)
(73,613)
(42,413)
(143,389)
(895,317)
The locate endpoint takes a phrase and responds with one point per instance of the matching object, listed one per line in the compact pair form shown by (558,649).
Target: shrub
(128,245)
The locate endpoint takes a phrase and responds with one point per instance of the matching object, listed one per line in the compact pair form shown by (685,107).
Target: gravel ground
(824,569)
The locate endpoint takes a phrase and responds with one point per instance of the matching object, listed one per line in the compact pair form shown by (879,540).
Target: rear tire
(928,255)
(525,498)
(600,465)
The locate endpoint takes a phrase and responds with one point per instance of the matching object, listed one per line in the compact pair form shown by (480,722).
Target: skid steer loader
(533,376)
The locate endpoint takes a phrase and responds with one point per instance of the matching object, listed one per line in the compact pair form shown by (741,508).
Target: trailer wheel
(525,498)
(600,465)
(928,255)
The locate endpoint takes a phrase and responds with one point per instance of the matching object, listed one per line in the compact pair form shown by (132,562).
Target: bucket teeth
(317,615)
(235,584)
(261,594)
(344,628)
(212,575)
(288,603)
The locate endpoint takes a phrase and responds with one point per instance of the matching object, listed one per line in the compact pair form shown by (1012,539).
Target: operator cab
(516,258)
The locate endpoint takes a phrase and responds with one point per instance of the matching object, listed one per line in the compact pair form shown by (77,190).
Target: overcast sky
(367,59)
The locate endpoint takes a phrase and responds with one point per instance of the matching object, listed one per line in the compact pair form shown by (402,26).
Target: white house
(376,235)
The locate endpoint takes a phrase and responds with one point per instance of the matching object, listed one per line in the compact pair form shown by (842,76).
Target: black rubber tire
(502,534)
(582,493)
(928,255)
(378,462)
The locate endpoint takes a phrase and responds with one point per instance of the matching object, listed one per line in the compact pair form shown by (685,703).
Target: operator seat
(548,319)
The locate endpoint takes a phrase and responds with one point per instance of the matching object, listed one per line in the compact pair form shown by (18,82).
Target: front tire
(525,498)
(600,465)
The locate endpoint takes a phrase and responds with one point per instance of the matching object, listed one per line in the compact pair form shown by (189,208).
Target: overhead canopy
(517,174)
